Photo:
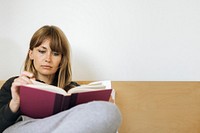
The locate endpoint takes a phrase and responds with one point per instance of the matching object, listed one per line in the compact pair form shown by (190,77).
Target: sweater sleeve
(7,117)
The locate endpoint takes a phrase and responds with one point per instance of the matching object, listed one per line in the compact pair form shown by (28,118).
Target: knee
(100,116)
(104,107)
(106,112)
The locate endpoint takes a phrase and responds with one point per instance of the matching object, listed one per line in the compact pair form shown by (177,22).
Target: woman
(48,60)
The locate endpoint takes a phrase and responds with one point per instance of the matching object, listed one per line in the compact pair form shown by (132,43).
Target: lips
(46,66)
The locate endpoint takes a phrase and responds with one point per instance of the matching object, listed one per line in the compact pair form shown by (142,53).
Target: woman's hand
(23,79)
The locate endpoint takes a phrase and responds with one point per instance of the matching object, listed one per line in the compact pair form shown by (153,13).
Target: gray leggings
(93,117)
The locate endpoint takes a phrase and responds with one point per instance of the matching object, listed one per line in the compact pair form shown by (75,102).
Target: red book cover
(39,103)
(84,97)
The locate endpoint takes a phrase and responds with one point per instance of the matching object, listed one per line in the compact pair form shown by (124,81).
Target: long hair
(59,43)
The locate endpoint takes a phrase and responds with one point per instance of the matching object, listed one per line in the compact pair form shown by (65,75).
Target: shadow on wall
(11,59)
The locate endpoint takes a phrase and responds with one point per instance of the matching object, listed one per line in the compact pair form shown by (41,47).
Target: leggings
(92,117)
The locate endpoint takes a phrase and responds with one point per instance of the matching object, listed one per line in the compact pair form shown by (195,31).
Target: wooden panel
(1,82)
(159,107)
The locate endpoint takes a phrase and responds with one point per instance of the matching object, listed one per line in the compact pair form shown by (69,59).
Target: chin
(48,73)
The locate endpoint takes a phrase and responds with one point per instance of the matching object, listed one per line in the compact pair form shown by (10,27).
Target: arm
(7,117)
(10,100)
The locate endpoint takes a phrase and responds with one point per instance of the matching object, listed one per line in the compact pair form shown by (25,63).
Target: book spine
(58,103)
(73,99)
(65,102)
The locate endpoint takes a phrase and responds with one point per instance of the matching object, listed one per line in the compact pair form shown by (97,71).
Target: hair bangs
(55,40)
(56,44)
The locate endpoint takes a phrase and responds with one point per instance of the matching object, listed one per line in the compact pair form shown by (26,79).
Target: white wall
(110,39)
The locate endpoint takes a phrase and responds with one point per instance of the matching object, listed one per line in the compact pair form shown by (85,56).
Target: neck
(46,79)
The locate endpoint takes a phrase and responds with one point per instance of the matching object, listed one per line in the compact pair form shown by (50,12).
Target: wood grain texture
(159,107)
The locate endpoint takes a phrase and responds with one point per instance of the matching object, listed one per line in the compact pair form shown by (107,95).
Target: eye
(41,51)
(55,53)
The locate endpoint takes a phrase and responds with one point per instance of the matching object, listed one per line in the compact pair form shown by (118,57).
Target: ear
(31,54)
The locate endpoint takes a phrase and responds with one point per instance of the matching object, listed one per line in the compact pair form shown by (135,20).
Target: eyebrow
(43,47)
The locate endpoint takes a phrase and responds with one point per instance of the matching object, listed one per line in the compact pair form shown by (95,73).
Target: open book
(39,100)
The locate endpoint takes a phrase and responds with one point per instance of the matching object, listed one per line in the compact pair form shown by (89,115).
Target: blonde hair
(59,43)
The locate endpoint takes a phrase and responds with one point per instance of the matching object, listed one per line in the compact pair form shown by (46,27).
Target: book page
(93,86)
(108,85)
(46,87)
(86,88)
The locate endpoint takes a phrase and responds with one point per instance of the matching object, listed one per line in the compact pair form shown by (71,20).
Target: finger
(27,74)
(22,80)
(25,80)
(15,86)
(19,81)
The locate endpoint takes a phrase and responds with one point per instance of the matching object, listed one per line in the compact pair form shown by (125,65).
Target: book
(39,100)
(108,85)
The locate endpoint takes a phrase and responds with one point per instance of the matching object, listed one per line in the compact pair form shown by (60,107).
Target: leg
(93,117)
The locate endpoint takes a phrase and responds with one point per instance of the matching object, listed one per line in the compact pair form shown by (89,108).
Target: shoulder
(72,84)
(9,82)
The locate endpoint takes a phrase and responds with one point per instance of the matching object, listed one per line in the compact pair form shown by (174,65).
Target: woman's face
(45,61)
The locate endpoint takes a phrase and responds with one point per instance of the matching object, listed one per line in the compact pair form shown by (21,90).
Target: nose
(48,57)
